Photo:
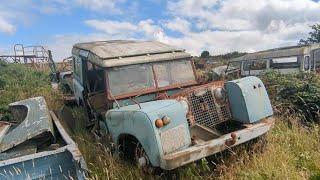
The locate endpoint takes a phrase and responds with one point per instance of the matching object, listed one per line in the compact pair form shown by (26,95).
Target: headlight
(162,122)
(219,93)
(159,123)
(166,120)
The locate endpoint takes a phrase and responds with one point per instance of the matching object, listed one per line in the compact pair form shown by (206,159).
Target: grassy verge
(292,153)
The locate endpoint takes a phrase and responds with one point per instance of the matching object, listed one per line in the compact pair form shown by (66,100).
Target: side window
(306,63)
(285,62)
(246,65)
(89,66)
(95,77)
(77,66)
(259,65)
(316,58)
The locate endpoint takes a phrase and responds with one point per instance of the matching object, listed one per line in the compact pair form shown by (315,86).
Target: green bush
(297,92)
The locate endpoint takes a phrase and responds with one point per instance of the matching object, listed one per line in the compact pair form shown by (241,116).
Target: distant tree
(314,35)
(205,54)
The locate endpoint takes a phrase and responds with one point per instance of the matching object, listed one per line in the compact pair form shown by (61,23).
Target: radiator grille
(207,110)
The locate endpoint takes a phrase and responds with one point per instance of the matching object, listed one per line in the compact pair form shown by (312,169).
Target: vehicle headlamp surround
(219,93)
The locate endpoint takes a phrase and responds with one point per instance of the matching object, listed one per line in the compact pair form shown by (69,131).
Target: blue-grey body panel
(58,164)
(140,123)
(143,98)
(249,100)
(27,161)
(34,122)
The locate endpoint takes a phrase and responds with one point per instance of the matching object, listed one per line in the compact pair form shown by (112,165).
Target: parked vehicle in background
(286,60)
(146,99)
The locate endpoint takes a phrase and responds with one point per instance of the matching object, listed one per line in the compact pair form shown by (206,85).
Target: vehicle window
(246,65)
(306,63)
(285,63)
(90,66)
(174,72)
(130,79)
(77,65)
(259,65)
(316,57)
(94,77)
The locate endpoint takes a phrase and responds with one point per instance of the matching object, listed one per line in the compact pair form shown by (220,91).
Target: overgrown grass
(18,82)
(292,153)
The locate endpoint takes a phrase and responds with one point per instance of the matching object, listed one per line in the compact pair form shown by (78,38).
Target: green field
(293,149)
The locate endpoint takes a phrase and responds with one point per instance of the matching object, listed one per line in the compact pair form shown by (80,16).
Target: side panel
(249,101)
(140,123)
(61,166)
(135,123)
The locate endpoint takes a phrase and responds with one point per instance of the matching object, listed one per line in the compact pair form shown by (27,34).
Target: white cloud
(219,26)
(106,6)
(178,24)
(242,25)
(6,27)
(61,45)
(112,27)
(245,14)
(148,28)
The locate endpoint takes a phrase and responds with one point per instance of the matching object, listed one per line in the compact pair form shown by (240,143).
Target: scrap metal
(31,149)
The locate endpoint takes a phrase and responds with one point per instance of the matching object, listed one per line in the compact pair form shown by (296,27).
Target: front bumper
(202,150)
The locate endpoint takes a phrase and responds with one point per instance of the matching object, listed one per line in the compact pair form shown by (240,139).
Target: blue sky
(219,26)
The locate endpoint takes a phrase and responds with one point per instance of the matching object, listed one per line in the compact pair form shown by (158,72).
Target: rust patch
(231,141)
(213,85)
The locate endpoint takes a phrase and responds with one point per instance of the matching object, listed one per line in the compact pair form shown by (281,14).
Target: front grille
(206,110)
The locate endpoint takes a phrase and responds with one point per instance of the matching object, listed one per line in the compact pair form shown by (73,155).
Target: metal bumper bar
(202,150)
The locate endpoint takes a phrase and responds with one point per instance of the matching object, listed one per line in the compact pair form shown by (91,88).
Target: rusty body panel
(213,85)
(40,153)
(205,109)
(207,148)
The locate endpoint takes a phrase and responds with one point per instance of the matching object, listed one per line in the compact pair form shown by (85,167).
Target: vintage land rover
(150,105)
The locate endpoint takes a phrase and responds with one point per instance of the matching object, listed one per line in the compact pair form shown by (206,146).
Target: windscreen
(142,77)
(174,72)
(131,78)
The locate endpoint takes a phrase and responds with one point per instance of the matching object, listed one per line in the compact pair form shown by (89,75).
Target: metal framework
(33,55)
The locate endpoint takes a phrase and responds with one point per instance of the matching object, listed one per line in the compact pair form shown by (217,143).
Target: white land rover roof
(125,52)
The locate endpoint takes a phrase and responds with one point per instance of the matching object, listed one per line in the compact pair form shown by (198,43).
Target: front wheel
(141,159)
